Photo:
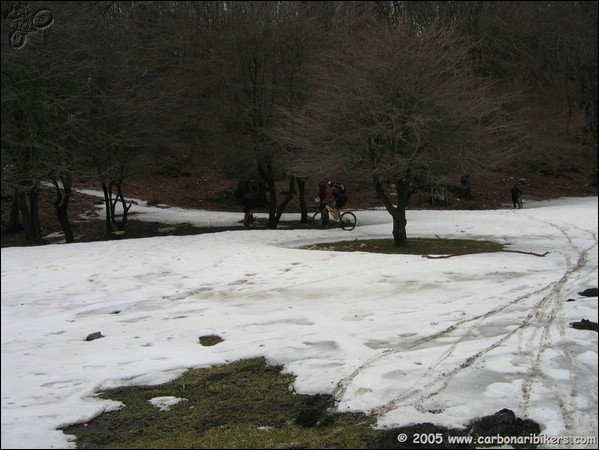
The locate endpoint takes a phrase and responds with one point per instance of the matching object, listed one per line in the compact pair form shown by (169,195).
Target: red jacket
(328,194)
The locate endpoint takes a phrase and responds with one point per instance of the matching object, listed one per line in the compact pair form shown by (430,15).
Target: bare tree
(256,67)
(128,99)
(575,51)
(547,48)
(90,89)
(403,108)
(39,87)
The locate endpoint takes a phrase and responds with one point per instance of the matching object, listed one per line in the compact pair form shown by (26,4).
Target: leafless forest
(404,96)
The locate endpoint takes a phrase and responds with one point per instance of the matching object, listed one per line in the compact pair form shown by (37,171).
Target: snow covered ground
(407,338)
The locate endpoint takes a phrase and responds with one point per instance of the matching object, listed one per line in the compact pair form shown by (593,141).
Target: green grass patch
(416,246)
(246,404)
(249,404)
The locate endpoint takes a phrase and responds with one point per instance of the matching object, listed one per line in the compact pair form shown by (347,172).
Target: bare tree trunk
(111,202)
(61,204)
(29,207)
(287,199)
(120,224)
(404,192)
(14,224)
(266,172)
(398,213)
(107,209)
(301,187)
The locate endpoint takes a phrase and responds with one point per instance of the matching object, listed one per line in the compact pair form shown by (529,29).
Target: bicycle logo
(24,22)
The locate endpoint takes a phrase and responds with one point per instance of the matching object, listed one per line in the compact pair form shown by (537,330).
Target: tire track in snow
(545,311)
(549,312)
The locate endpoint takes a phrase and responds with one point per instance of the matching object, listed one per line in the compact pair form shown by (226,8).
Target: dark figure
(516,196)
(249,201)
(336,194)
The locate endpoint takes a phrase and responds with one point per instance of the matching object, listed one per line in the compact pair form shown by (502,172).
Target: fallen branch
(526,253)
(484,251)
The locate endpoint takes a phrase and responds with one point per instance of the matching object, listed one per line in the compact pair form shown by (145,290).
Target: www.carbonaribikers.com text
(541,439)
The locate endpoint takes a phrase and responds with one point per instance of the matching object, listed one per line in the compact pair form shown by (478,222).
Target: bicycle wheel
(348,220)
(17,39)
(320,219)
(42,19)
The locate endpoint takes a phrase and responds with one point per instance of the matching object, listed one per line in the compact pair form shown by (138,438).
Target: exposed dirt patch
(585,324)
(210,339)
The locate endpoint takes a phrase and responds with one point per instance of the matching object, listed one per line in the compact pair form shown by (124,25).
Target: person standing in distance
(516,196)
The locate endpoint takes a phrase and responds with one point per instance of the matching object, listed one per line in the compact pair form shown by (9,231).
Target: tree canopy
(399,92)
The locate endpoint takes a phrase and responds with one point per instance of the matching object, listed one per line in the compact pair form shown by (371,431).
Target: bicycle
(325,216)
(24,22)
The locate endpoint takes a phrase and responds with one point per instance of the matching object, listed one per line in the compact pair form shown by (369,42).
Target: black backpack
(342,192)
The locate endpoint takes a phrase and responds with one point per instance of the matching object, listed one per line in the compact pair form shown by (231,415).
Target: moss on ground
(415,246)
(246,404)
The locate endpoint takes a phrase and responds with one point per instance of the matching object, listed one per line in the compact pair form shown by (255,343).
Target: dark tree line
(395,91)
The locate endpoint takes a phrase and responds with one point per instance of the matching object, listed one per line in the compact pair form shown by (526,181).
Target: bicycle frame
(326,212)
(331,210)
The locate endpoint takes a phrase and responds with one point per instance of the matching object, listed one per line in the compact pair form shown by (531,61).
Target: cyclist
(516,196)
(336,195)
